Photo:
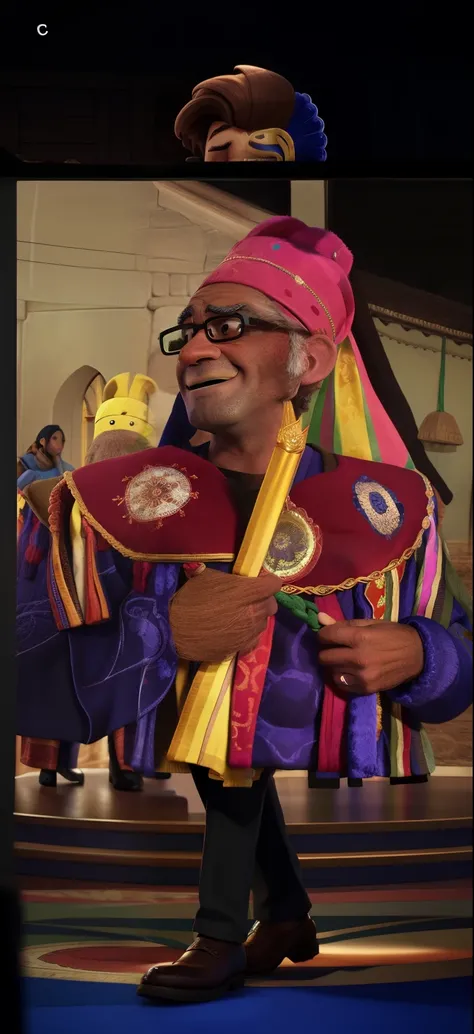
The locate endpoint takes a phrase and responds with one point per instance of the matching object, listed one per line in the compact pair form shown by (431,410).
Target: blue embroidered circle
(379,506)
(276,247)
(378,502)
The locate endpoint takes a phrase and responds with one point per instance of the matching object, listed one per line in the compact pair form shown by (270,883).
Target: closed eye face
(219,141)
(226,143)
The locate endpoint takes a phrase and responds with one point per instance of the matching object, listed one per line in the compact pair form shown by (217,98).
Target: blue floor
(75,1007)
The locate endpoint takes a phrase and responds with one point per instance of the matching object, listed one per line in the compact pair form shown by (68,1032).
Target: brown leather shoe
(269,943)
(207,970)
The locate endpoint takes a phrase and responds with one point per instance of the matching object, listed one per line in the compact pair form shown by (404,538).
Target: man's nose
(199,347)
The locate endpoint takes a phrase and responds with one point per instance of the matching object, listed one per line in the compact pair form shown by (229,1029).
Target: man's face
(226,143)
(227,384)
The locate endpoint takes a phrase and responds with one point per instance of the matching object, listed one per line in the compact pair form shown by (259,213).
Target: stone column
(308,201)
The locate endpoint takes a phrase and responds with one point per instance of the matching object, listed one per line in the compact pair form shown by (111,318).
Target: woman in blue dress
(44,458)
(41,461)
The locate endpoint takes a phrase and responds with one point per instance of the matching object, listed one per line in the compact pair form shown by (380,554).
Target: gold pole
(201,737)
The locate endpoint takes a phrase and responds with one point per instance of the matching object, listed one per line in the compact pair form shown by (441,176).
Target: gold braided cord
(294,276)
(349,583)
(291,590)
(379,716)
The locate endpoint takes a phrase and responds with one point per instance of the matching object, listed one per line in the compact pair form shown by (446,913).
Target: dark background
(418,232)
(106,86)
(99,115)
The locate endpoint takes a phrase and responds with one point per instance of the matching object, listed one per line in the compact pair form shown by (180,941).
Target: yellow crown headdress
(124,405)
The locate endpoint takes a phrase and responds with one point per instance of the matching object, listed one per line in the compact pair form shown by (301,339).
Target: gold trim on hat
(294,276)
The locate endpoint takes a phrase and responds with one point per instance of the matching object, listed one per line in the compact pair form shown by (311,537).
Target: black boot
(162,775)
(48,776)
(73,775)
(316,782)
(121,780)
(131,781)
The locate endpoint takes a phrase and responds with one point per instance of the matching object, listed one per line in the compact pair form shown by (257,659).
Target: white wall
(102,268)
(55,344)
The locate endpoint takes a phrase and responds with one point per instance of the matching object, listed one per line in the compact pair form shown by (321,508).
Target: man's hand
(366,657)
(217,615)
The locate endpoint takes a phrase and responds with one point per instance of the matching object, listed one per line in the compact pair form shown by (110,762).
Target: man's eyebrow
(219,129)
(223,310)
(226,310)
(242,308)
(184,315)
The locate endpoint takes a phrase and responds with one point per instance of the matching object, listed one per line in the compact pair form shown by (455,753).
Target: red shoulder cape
(168,504)
(161,504)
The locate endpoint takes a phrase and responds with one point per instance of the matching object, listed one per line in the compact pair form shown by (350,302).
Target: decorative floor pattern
(388,935)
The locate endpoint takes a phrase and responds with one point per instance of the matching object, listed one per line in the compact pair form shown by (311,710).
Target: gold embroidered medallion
(296,544)
(156,493)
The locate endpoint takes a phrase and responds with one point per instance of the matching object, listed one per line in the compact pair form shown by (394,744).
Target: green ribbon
(442,375)
(307,417)
(316,414)
(302,609)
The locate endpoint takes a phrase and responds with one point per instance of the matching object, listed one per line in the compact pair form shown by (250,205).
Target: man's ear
(321,353)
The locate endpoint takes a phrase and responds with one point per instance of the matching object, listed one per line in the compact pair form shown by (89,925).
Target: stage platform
(375,834)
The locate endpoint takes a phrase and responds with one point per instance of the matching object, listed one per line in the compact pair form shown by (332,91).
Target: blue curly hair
(306,129)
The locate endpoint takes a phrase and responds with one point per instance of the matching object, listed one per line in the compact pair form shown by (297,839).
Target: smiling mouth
(209,383)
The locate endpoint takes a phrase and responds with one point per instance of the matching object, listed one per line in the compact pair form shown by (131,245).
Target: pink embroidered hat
(302,268)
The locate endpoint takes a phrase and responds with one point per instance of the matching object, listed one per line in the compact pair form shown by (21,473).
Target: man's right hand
(217,615)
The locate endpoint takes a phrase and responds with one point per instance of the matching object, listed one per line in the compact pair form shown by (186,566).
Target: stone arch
(68,410)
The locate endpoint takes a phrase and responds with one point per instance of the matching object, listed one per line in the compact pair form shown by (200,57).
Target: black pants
(246,848)
(68,755)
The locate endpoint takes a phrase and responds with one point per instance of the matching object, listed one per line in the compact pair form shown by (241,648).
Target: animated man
(288,609)
(251,116)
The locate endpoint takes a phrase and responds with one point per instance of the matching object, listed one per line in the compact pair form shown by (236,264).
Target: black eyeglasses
(216,328)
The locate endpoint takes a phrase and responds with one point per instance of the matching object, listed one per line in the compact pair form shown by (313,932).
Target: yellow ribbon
(78,550)
(349,405)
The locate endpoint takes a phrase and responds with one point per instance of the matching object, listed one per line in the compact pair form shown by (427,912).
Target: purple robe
(82,684)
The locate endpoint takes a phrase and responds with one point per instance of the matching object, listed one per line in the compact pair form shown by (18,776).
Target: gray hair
(297,357)
(298,361)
